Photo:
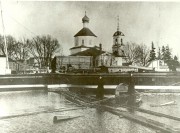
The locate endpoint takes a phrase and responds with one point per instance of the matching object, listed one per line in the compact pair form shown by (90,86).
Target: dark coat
(100,89)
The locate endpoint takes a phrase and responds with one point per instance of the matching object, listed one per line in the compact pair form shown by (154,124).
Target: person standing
(100,88)
(131,89)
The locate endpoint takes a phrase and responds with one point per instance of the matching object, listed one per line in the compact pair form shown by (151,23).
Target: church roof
(118,33)
(82,46)
(89,52)
(85,32)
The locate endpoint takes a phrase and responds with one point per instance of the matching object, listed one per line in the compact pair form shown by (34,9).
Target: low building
(13,65)
(3,65)
(77,62)
(4,69)
(33,62)
(158,65)
(118,69)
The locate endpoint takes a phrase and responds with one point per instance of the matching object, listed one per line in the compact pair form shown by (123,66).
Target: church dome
(118,33)
(85,19)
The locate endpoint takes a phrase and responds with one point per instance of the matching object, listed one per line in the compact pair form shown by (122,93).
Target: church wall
(88,41)
(77,62)
(73,51)
(109,60)
(105,60)
(118,61)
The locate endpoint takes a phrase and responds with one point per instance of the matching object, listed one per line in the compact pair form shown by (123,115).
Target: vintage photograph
(89,66)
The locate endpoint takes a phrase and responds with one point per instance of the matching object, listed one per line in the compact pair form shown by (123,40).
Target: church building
(84,39)
(118,47)
(86,54)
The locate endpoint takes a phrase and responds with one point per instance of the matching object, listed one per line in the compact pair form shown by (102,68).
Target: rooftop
(89,52)
(85,32)
(118,33)
(82,46)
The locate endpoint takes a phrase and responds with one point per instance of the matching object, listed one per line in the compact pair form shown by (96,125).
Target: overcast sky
(141,22)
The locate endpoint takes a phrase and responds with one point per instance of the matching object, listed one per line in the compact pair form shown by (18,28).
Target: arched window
(82,41)
(116,41)
(121,41)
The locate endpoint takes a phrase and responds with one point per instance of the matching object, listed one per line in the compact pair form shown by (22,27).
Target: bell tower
(118,45)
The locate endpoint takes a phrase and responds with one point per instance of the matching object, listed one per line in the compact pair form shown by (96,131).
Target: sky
(141,22)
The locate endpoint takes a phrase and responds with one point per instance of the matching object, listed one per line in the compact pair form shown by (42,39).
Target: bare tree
(2,45)
(23,49)
(130,52)
(18,50)
(142,54)
(11,46)
(35,49)
(43,48)
(51,45)
(136,53)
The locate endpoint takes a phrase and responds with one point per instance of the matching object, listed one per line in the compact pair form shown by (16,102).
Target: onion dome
(85,31)
(85,19)
(118,33)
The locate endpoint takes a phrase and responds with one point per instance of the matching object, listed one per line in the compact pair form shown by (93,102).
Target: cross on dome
(85,18)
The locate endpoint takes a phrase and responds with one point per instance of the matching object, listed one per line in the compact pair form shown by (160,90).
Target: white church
(86,53)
